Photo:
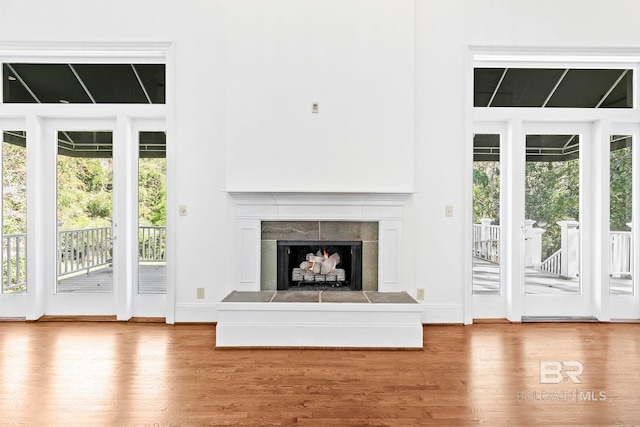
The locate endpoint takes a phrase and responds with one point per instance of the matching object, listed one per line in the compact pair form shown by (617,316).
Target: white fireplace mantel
(251,208)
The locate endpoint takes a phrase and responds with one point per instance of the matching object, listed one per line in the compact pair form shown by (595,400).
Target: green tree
(14,194)
(552,195)
(152,192)
(84,196)
(621,186)
(486,191)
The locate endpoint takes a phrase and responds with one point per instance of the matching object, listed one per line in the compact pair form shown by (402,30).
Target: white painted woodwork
(319,325)
(253,208)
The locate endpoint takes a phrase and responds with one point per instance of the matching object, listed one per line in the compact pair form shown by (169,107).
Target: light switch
(182,209)
(315,107)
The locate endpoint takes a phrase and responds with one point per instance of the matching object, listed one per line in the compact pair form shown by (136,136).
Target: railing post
(569,248)
(484,229)
(532,244)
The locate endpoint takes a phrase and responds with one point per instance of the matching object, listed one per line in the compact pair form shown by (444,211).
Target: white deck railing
(553,264)
(486,246)
(152,241)
(621,259)
(78,250)
(486,241)
(14,262)
(82,250)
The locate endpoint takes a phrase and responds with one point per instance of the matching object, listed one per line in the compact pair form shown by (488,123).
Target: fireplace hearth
(319,265)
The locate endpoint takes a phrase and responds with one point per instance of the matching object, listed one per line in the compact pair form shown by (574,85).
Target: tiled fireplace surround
(273,231)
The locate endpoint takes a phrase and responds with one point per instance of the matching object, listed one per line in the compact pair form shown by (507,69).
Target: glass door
(151,290)
(14,223)
(82,176)
(84,212)
(486,214)
(622,236)
(555,227)
(487,244)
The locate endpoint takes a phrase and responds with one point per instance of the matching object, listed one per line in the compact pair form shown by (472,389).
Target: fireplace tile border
(301,231)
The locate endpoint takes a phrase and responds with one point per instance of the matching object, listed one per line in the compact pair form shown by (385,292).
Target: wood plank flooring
(121,374)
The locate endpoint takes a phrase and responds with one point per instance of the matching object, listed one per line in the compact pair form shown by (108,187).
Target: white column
(532,244)
(570,248)
(484,230)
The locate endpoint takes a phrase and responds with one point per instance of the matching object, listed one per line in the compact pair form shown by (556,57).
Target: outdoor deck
(153,280)
(486,276)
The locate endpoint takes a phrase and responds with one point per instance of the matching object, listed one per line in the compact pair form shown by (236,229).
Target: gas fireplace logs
(319,267)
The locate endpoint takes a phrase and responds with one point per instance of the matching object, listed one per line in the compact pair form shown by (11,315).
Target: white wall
(353,57)
(392,81)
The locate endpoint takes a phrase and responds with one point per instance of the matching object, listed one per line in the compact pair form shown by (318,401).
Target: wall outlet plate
(420,294)
(200,293)
(448,211)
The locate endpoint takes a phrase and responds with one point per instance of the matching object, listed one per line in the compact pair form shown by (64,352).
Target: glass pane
(14,212)
(84,212)
(553,87)
(486,214)
(83,83)
(621,212)
(152,213)
(552,204)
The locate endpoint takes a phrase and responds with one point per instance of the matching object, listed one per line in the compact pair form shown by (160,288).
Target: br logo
(554,372)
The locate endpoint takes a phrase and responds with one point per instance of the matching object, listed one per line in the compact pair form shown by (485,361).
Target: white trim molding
(85,52)
(252,208)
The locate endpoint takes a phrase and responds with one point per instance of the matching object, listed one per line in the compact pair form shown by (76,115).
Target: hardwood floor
(120,374)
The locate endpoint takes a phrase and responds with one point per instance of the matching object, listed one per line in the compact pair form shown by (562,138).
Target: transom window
(547,87)
(83,83)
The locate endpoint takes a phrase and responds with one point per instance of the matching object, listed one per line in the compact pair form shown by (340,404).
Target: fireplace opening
(319,265)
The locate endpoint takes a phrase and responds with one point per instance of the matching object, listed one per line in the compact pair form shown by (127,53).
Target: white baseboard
(193,313)
(442,313)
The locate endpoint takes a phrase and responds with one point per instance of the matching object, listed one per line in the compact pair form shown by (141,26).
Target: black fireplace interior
(291,254)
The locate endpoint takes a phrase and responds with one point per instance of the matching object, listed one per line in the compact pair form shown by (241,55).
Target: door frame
(31,117)
(512,302)
(512,118)
(102,304)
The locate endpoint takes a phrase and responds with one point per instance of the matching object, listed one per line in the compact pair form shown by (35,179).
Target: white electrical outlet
(315,107)
(420,294)
(448,210)
(200,293)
